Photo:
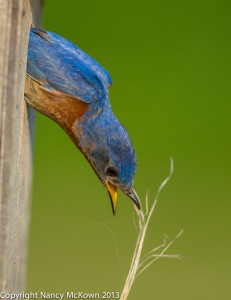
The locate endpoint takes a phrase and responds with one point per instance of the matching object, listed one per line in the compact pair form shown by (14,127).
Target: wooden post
(15,141)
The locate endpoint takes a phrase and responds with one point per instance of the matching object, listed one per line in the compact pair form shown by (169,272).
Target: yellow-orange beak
(112,190)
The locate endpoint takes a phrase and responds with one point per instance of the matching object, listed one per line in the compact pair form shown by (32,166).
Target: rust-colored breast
(61,108)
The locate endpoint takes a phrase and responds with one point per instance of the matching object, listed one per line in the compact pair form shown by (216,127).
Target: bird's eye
(111,171)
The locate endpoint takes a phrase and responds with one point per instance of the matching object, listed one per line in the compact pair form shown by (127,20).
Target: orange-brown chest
(63,109)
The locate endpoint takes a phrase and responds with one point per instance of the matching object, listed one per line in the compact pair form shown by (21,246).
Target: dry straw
(137,265)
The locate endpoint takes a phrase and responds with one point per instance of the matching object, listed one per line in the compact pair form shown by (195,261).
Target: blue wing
(60,65)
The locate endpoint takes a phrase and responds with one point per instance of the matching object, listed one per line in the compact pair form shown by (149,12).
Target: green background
(170,63)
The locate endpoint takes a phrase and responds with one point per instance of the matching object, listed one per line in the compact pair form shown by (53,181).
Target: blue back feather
(60,65)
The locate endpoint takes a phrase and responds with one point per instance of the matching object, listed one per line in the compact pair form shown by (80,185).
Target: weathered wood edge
(15,142)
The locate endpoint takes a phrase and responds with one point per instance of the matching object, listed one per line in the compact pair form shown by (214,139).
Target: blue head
(108,148)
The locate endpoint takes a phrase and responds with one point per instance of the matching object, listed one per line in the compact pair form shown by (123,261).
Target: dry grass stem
(137,266)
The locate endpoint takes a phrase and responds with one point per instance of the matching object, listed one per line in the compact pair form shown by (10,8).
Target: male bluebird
(68,86)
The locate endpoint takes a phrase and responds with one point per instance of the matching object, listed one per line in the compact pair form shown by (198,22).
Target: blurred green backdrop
(170,62)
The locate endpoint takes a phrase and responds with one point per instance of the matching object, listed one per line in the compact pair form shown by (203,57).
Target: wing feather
(60,65)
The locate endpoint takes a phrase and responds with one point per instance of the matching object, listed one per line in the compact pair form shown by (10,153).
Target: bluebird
(71,88)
